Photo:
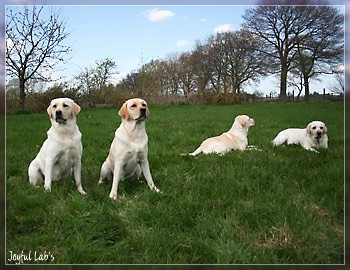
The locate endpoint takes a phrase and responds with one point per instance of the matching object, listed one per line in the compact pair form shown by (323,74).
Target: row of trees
(223,63)
(296,43)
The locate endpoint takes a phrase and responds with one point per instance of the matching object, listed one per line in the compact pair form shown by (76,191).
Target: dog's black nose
(58,114)
(143,112)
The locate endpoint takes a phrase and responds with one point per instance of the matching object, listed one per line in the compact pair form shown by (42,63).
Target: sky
(133,35)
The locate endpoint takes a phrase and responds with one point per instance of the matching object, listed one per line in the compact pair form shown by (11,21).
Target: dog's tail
(195,153)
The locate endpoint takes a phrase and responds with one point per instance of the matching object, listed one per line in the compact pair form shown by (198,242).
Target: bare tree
(92,79)
(339,86)
(320,48)
(171,66)
(185,74)
(33,44)
(274,24)
(226,61)
(105,69)
(201,66)
(128,84)
(245,61)
(86,85)
(297,81)
(149,78)
(297,36)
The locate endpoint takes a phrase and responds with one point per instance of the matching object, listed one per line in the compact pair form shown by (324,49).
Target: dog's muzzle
(318,135)
(59,117)
(143,112)
(252,122)
(143,115)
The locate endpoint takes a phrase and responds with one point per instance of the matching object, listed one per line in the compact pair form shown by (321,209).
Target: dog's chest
(133,156)
(65,159)
(135,153)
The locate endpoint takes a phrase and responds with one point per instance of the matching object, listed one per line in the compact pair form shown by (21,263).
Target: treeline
(296,43)
(221,64)
(213,73)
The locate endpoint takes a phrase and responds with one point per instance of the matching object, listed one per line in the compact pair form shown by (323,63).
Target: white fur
(312,137)
(235,139)
(60,155)
(127,157)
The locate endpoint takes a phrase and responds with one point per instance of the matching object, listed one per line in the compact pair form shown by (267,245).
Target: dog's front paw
(81,191)
(313,150)
(47,188)
(155,189)
(113,196)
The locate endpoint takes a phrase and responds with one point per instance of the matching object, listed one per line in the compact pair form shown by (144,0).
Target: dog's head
(316,129)
(245,121)
(134,109)
(62,110)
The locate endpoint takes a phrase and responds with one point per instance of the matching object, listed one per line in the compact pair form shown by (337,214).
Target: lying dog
(235,139)
(127,157)
(311,137)
(62,150)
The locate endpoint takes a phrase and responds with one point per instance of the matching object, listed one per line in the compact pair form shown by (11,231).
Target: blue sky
(133,35)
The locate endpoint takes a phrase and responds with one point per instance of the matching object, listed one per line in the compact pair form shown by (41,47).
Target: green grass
(281,205)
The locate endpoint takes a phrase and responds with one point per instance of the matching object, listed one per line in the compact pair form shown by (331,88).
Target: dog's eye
(133,106)
(321,127)
(144,105)
(65,105)
(54,106)
(313,127)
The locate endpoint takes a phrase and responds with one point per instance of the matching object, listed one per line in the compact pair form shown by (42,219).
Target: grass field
(278,206)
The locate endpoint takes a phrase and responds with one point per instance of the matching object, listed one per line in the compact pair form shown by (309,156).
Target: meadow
(280,205)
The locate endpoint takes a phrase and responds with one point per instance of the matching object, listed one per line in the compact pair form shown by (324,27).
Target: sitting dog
(127,157)
(311,137)
(62,150)
(235,139)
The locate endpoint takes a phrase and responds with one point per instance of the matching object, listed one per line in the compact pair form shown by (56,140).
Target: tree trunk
(283,83)
(22,94)
(307,89)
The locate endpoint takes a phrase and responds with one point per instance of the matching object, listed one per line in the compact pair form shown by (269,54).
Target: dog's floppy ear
(76,109)
(49,111)
(123,112)
(308,128)
(241,120)
(325,128)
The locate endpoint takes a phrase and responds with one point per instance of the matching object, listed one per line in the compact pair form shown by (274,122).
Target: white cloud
(203,20)
(116,78)
(181,42)
(224,28)
(156,15)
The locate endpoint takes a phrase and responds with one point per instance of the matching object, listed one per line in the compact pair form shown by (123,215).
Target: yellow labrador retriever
(235,139)
(62,150)
(128,154)
(311,137)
